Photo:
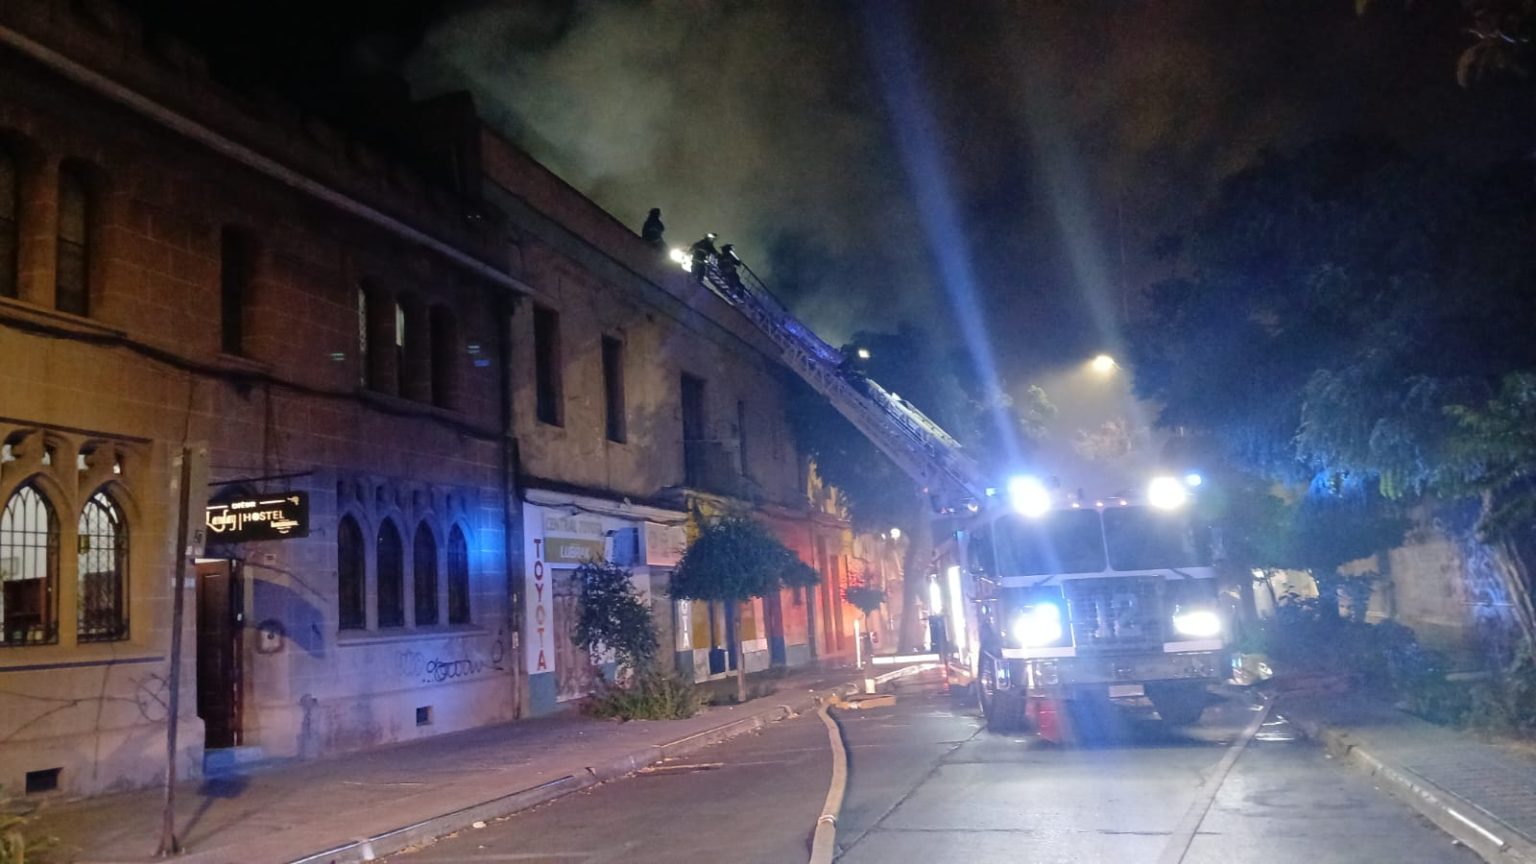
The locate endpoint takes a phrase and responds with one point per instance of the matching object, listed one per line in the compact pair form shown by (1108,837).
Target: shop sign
(573,539)
(664,544)
(273,516)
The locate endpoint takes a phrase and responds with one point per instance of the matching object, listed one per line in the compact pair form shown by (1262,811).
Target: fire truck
(1048,599)
(1082,601)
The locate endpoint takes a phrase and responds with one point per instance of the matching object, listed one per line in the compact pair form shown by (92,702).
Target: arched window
(349,575)
(458,577)
(103,603)
(391,577)
(29,569)
(10,205)
(424,575)
(71,288)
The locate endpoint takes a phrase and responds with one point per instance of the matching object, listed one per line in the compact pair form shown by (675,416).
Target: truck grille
(1119,613)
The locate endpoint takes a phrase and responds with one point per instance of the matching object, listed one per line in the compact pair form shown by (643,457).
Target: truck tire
(1005,710)
(1178,704)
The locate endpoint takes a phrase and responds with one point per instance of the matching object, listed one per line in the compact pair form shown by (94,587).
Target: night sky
(1009,164)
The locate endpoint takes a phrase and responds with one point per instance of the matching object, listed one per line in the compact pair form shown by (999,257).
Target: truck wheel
(1178,704)
(1004,709)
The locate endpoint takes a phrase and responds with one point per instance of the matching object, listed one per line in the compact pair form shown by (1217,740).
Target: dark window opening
(349,575)
(46,780)
(391,569)
(693,430)
(237,261)
(445,358)
(424,715)
(364,363)
(546,365)
(71,288)
(10,207)
(402,362)
(424,573)
(458,577)
(742,464)
(613,387)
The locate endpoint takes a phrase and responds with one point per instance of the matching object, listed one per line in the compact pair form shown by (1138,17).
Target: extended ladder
(918,446)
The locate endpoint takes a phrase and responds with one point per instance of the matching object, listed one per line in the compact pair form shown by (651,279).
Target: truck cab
(1095,600)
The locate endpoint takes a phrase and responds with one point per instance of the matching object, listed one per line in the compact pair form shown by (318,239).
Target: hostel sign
(274,516)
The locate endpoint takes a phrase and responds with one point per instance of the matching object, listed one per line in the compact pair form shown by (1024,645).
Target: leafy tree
(734,560)
(1501,33)
(866,598)
(1347,312)
(612,615)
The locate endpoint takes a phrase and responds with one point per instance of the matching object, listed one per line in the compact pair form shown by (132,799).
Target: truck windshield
(1062,541)
(1143,539)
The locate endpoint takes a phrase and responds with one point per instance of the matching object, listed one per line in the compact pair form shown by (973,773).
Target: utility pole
(188,477)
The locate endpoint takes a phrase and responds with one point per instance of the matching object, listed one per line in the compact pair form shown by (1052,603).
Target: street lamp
(1104,364)
(895,533)
(862,353)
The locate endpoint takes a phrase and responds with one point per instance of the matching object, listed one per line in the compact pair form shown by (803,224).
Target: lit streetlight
(1104,364)
(863,353)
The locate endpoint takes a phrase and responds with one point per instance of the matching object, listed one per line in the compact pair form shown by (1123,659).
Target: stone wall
(102,401)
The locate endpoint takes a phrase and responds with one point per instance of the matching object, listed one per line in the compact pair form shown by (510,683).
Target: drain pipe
(189,128)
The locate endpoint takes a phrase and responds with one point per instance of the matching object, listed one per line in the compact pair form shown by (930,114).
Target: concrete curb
(824,838)
(405,836)
(1469,824)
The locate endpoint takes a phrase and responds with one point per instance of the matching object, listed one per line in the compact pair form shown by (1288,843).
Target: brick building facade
(472,379)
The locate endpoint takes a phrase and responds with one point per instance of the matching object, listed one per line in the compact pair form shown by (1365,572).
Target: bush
(654,695)
(16,847)
(613,615)
(1507,703)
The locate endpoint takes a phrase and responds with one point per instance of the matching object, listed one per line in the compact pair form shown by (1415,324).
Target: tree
(1348,310)
(733,561)
(612,615)
(1501,32)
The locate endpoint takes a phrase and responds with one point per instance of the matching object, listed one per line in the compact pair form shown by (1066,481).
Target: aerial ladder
(919,447)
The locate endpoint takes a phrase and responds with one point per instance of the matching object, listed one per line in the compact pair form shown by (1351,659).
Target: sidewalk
(375,802)
(1481,794)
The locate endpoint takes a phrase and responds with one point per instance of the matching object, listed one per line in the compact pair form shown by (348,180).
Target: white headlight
(1028,496)
(1200,623)
(1166,493)
(1040,625)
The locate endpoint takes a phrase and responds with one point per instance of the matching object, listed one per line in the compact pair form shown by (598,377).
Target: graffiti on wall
(425,667)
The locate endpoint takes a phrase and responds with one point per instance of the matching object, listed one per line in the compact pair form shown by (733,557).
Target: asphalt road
(928,784)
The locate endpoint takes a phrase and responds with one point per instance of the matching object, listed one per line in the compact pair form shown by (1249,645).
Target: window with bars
(424,576)
(391,570)
(103,558)
(10,206)
(350,576)
(71,288)
(29,569)
(458,577)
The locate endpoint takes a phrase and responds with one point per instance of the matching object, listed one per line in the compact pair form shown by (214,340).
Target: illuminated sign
(275,516)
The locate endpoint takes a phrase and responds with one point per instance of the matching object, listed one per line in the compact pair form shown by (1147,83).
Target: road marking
(1184,834)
